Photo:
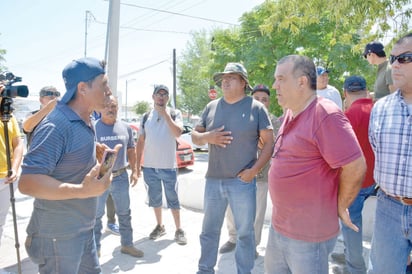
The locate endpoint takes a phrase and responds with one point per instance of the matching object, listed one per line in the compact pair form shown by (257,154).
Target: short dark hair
(302,66)
(404,39)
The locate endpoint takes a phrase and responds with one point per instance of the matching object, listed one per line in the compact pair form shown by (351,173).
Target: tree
(2,60)
(141,107)
(193,74)
(332,33)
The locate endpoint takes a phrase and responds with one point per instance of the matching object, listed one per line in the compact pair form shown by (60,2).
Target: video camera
(10,91)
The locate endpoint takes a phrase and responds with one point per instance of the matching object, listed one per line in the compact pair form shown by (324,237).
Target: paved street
(162,255)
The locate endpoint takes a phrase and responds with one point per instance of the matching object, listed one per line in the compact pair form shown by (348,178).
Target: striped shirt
(63,147)
(390,134)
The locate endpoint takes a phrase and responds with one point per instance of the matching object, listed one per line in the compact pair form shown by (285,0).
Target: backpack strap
(144,119)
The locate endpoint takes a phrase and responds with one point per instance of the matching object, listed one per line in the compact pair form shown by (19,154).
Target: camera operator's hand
(1,90)
(13,177)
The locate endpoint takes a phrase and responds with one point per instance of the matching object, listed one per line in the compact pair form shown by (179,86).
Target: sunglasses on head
(50,93)
(403,58)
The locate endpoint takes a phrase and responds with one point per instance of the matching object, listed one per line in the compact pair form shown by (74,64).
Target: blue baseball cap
(158,88)
(321,70)
(354,83)
(261,87)
(373,47)
(80,70)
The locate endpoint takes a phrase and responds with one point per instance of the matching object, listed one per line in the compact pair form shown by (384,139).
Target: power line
(179,14)
(142,69)
(141,29)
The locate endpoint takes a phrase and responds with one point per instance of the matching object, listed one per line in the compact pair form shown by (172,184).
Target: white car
(187,136)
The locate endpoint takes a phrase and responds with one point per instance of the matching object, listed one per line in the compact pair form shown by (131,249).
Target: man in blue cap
(48,100)
(323,89)
(157,144)
(375,54)
(60,172)
(359,107)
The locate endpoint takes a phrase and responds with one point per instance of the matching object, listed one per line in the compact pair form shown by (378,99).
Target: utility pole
(88,16)
(85,33)
(112,43)
(174,78)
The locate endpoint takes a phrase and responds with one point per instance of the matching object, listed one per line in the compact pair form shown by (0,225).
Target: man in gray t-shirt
(232,126)
(157,144)
(375,54)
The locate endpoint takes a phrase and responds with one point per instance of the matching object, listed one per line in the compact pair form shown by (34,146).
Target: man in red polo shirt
(359,106)
(316,172)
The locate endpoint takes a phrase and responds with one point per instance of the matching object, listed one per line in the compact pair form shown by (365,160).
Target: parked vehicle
(187,136)
(184,152)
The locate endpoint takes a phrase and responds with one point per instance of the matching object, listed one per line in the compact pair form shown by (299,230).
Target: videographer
(48,100)
(16,154)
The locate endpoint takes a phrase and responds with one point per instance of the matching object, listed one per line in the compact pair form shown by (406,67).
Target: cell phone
(107,162)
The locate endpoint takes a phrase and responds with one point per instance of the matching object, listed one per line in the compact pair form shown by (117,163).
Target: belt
(402,200)
(118,172)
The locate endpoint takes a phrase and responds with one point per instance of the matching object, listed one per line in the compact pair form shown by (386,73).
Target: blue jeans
(241,197)
(352,239)
(392,237)
(64,255)
(119,190)
(285,255)
(153,178)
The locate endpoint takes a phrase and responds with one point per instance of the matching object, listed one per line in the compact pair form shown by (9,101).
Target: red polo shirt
(358,114)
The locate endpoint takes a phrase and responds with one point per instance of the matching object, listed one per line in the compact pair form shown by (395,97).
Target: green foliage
(2,60)
(141,107)
(193,74)
(332,33)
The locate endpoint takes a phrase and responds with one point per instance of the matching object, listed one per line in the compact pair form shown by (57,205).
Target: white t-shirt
(331,93)
(160,144)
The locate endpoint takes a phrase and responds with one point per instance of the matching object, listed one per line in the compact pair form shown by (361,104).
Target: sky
(42,36)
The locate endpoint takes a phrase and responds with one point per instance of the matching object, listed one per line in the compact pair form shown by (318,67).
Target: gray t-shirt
(160,144)
(111,135)
(383,80)
(244,119)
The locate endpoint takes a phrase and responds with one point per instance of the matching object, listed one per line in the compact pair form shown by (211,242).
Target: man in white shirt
(323,89)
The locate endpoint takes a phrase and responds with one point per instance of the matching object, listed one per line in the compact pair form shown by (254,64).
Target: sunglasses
(403,58)
(161,95)
(50,93)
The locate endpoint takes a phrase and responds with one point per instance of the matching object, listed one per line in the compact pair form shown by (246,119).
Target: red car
(184,152)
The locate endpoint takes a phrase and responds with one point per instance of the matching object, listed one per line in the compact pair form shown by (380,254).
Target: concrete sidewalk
(161,256)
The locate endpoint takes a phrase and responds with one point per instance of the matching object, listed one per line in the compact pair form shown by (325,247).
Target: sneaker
(227,247)
(132,251)
(180,237)
(339,258)
(157,232)
(113,228)
(409,269)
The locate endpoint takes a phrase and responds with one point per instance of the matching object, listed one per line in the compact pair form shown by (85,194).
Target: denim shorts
(154,177)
